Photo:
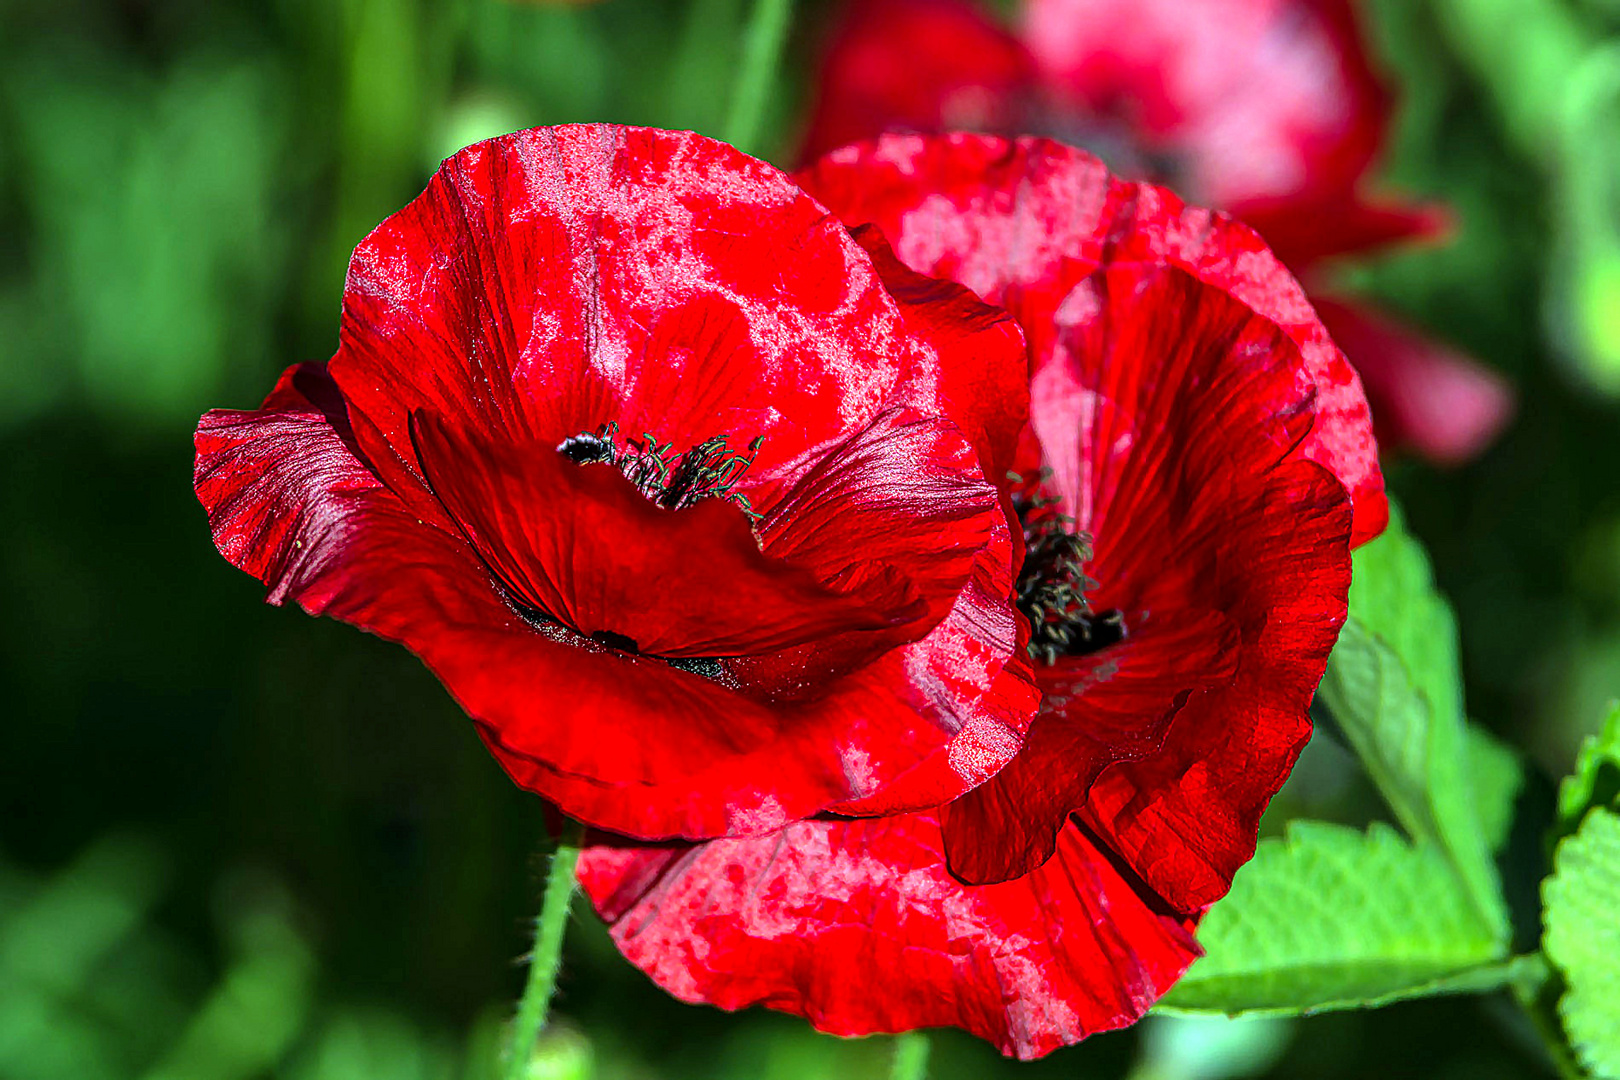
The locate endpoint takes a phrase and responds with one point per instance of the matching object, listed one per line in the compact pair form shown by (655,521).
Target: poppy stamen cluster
(670,480)
(1052,583)
(543,621)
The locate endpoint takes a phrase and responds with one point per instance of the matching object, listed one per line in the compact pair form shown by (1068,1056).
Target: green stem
(1537,994)
(762,47)
(910,1056)
(547,955)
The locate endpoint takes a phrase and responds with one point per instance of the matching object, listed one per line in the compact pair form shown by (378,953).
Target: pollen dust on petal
(981,748)
(762,815)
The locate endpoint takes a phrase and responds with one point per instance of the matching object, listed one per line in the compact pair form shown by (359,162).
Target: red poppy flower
(1189,415)
(1267,108)
(794,591)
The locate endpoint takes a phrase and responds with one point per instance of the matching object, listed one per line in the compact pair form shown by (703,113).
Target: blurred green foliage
(148,200)
(180,184)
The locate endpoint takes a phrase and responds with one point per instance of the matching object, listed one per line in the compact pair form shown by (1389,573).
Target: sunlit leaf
(1595,781)
(1496,777)
(1582,898)
(1394,686)
(1330,918)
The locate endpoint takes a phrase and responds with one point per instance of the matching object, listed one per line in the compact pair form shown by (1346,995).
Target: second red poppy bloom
(1190,414)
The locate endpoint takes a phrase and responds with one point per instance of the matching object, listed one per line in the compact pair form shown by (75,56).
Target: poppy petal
(800,920)
(1022,223)
(554,280)
(1187,816)
(286,494)
(973,676)
(979,381)
(585,547)
(1174,420)
(626,742)
(1444,405)
(1113,705)
(1303,233)
(1175,400)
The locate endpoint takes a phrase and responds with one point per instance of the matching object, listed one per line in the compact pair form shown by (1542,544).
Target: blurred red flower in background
(668,634)
(1267,108)
(1198,460)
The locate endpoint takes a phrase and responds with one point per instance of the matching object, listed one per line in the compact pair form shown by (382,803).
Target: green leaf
(1394,597)
(1331,918)
(1393,685)
(1497,778)
(1596,779)
(1583,938)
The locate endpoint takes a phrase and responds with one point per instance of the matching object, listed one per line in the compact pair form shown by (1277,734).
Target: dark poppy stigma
(614,640)
(1052,583)
(671,480)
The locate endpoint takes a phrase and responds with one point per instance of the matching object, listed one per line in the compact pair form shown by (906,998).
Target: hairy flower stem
(910,1056)
(762,47)
(547,955)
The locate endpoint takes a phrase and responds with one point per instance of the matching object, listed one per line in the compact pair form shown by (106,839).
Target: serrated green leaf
(1582,940)
(1332,918)
(1393,596)
(1329,918)
(1386,722)
(1393,685)
(1596,779)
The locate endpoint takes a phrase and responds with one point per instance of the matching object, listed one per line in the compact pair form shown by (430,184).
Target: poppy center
(668,479)
(613,640)
(1052,583)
